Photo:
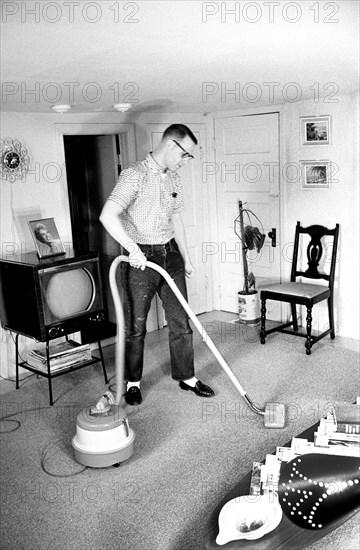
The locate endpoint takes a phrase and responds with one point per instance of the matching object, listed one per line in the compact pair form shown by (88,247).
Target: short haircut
(178,131)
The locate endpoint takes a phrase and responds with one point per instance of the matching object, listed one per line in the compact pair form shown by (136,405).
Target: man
(143,213)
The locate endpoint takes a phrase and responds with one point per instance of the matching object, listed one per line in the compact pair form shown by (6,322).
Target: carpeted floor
(188,452)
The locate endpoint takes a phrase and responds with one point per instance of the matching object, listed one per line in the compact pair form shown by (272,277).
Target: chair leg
(331,317)
(308,330)
(294,318)
(263,320)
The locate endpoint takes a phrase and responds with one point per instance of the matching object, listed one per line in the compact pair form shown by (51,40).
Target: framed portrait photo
(315,130)
(315,174)
(46,237)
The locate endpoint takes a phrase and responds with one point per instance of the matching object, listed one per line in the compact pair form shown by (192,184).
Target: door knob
(272,235)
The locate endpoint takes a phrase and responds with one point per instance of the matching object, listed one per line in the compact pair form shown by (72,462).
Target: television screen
(70,293)
(69,290)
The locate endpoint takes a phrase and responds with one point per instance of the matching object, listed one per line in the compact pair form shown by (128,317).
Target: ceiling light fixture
(61,108)
(122,107)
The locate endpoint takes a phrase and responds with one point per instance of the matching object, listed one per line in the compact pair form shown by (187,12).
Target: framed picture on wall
(46,237)
(315,130)
(315,174)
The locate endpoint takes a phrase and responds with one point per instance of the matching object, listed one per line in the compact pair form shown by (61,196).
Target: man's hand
(137,259)
(189,269)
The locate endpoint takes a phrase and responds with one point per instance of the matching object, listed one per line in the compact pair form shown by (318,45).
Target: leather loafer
(133,396)
(199,389)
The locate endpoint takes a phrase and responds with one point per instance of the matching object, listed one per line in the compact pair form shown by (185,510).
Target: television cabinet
(49,298)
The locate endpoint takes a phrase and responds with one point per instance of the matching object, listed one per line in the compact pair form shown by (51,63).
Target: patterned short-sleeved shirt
(149,197)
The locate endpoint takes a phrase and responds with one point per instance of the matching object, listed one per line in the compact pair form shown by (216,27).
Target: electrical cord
(46,450)
(20,379)
(44,456)
(5,419)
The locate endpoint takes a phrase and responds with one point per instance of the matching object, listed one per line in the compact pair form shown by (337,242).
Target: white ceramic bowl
(248,517)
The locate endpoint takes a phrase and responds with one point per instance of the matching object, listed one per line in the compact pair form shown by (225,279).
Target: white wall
(339,204)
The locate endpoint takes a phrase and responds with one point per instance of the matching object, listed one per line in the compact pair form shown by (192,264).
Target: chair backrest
(314,252)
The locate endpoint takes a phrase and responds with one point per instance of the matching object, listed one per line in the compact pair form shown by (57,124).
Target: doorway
(93,164)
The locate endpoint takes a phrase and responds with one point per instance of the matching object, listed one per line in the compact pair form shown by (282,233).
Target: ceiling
(178,55)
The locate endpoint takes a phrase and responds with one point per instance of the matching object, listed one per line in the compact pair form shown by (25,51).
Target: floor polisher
(103,436)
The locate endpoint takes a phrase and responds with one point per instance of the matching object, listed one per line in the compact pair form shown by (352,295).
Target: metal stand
(49,375)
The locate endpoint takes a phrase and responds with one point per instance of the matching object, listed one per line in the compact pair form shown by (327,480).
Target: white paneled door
(194,216)
(247,169)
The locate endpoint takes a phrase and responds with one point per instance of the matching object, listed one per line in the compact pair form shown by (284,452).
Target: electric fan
(252,239)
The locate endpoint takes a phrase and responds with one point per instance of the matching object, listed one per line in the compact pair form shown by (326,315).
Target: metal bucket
(249,308)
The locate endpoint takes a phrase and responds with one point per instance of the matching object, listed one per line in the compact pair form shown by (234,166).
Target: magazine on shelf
(61,355)
(84,354)
(59,350)
(56,365)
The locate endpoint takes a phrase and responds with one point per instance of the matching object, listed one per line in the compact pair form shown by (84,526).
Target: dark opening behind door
(92,168)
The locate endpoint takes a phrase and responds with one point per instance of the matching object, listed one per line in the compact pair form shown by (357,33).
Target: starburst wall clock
(14,161)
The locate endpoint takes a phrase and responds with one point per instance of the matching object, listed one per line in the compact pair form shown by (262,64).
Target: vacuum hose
(120,341)
(120,344)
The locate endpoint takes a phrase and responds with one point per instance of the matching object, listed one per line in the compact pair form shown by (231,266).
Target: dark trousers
(139,289)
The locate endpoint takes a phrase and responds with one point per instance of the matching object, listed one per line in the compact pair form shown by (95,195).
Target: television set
(52,297)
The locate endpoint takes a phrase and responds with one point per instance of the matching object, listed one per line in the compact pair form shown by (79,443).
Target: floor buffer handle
(120,346)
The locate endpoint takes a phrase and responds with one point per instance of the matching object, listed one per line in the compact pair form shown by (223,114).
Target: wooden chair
(306,294)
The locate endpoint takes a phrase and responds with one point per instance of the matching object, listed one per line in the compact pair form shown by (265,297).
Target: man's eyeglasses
(185,154)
